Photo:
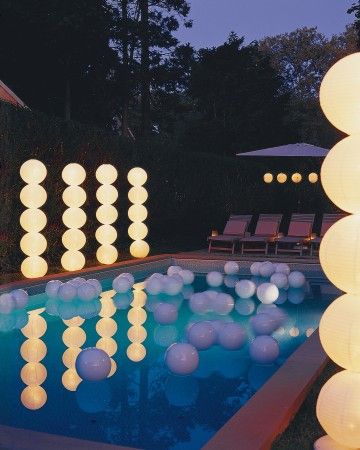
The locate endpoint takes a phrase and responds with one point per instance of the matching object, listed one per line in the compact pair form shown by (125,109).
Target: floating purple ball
(52,288)
(86,292)
(296,295)
(199,303)
(263,324)
(202,335)
(7,303)
(93,364)
(21,298)
(223,304)
(96,284)
(182,359)
(245,306)
(231,336)
(264,350)
(245,288)
(165,314)
(67,292)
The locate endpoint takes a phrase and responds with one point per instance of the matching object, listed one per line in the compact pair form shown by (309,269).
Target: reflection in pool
(141,404)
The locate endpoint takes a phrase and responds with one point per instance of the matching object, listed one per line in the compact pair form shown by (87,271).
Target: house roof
(294,150)
(7,95)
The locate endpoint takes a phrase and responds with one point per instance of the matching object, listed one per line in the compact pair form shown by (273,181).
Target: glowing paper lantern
(33,220)
(340,175)
(137,213)
(137,176)
(106,214)
(72,260)
(73,239)
(340,94)
(339,254)
(139,249)
(137,316)
(296,177)
(74,196)
(313,177)
(137,333)
(33,397)
(74,218)
(281,178)
(138,230)
(106,327)
(138,195)
(108,344)
(73,174)
(69,357)
(268,177)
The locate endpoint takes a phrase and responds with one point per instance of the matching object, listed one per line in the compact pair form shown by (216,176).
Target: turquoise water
(141,405)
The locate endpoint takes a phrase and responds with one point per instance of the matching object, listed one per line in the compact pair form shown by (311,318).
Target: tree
(355,9)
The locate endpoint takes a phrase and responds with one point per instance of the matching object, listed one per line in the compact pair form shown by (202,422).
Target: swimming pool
(142,405)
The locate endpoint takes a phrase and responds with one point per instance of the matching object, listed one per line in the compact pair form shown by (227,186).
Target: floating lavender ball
(199,303)
(231,336)
(266,269)
(255,269)
(282,268)
(93,364)
(245,306)
(264,350)
(96,284)
(202,335)
(279,279)
(165,314)
(153,285)
(129,276)
(223,304)
(7,303)
(182,359)
(267,293)
(172,285)
(214,279)
(231,268)
(86,292)
(230,281)
(245,288)
(121,284)
(262,324)
(187,276)
(67,292)
(77,281)
(296,295)
(296,279)
(122,301)
(21,298)
(172,270)
(52,288)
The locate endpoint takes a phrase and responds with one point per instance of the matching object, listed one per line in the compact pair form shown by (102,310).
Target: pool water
(141,404)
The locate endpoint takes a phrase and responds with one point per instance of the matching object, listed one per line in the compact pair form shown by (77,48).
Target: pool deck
(257,424)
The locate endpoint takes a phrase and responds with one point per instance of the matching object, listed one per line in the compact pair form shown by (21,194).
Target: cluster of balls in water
(170,284)
(12,310)
(76,289)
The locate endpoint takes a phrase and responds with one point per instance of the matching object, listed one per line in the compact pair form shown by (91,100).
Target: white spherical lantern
(340,332)
(33,196)
(281,178)
(106,174)
(33,244)
(73,174)
(268,178)
(137,231)
(73,239)
(137,176)
(106,214)
(106,234)
(107,194)
(72,260)
(340,174)
(339,254)
(74,196)
(33,171)
(107,254)
(139,249)
(255,269)
(74,218)
(267,293)
(279,279)
(296,279)
(33,220)
(214,279)
(34,267)
(136,352)
(340,94)
(313,177)
(266,269)
(33,397)
(138,195)
(137,213)
(296,177)
(338,408)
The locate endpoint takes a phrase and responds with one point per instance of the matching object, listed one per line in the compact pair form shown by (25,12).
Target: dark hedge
(189,193)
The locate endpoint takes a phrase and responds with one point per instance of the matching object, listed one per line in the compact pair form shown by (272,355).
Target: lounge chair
(298,236)
(234,230)
(266,231)
(327,221)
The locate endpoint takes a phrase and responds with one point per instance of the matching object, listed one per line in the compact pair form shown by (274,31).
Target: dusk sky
(254,19)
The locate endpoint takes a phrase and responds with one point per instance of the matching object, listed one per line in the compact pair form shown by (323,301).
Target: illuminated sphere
(137,213)
(255,269)
(214,279)
(74,196)
(107,194)
(138,195)
(74,337)
(33,374)
(107,254)
(182,359)
(70,379)
(262,324)
(139,249)
(106,234)
(33,196)
(338,408)
(73,174)
(137,333)
(222,304)
(74,218)
(165,314)
(202,335)
(72,260)
(187,276)
(108,344)
(296,177)
(106,214)
(21,298)
(33,244)
(268,177)
(339,254)
(266,269)
(73,239)
(281,178)
(313,177)
(33,171)
(93,364)
(34,267)
(231,336)
(264,350)
(33,220)
(231,268)
(267,293)
(340,94)
(35,328)
(136,352)
(106,174)
(339,332)
(33,350)
(340,174)
(138,231)
(137,176)
(279,279)
(245,288)
(106,327)
(33,397)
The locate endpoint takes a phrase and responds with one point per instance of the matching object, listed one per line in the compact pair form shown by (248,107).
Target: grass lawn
(305,428)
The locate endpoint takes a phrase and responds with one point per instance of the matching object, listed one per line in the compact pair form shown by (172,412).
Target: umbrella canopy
(290,150)
(7,95)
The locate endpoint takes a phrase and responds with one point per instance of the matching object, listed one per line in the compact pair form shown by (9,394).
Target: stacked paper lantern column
(137,212)
(33,220)
(74,338)
(106,214)
(74,217)
(33,374)
(338,406)
(137,316)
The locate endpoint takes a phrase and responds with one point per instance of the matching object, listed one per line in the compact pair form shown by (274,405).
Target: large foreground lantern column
(338,405)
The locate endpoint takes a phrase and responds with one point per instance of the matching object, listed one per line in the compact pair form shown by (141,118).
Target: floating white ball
(93,364)
(222,304)
(165,314)
(262,324)
(282,268)
(245,288)
(231,336)
(296,279)
(214,279)
(266,269)
(264,350)
(187,276)
(172,286)
(182,359)
(279,279)
(129,276)
(153,285)
(199,303)
(96,284)
(267,293)
(172,270)
(202,335)
(231,268)
(255,269)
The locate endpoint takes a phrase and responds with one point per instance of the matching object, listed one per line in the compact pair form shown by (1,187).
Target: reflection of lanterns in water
(33,374)
(136,352)
(137,333)
(74,337)
(70,380)
(294,332)
(33,350)
(33,397)
(36,326)
(108,344)
(69,357)
(309,332)
(74,322)
(137,316)
(106,327)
